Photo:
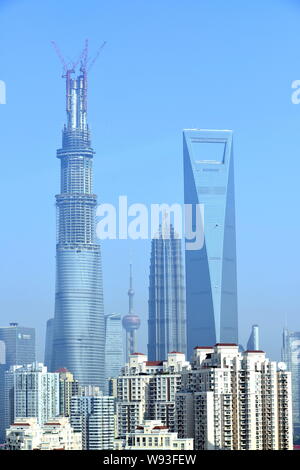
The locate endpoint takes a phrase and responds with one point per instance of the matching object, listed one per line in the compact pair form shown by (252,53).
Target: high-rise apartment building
(291,357)
(147,390)
(211,279)
(31,391)
(78,335)
(68,387)
(17,347)
(114,353)
(235,401)
(28,434)
(253,341)
(94,417)
(167,318)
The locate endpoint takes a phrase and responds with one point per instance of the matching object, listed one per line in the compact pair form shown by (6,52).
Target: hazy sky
(167,65)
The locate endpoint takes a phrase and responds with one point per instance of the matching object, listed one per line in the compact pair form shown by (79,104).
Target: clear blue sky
(167,65)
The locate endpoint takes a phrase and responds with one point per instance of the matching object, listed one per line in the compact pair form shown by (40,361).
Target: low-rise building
(153,435)
(28,434)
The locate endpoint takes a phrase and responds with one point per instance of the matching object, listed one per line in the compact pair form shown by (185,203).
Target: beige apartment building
(235,401)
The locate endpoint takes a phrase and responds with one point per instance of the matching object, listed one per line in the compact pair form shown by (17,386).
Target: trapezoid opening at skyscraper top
(211,279)
(78,333)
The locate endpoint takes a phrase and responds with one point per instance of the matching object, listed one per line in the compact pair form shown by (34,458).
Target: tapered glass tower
(211,280)
(78,333)
(253,341)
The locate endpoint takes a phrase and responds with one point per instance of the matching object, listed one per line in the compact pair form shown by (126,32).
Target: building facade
(49,343)
(18,344)
(114,353)
(153,435)
(235,401)
(146,390)
(94,417)
(166,314)
(27,434)
(68,387)
(211,279)
(17,347)
(31,391)
(78,331)
(291,357)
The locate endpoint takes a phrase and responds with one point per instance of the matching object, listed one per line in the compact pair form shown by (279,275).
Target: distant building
(114,353)
(131,322)
(27,434)
(94,417)
(49,344)
(18,343)
(167,317)
(154,435)
(17,347)
(253,341)
(147,390)
(291,357)
(31,391)
(211,278)
(235,401)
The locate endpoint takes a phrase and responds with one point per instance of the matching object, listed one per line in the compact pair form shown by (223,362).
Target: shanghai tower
(78,333)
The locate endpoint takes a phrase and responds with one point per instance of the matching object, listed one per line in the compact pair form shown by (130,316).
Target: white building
(238,401)
(147,390)
(31,391)
(27,434)
(153,435)
(94,416)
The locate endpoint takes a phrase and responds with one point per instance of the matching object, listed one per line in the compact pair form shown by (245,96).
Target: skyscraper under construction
(78,332)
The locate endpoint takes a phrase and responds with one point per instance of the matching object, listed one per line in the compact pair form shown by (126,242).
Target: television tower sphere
(131,322)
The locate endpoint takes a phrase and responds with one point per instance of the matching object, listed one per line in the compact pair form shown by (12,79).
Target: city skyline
(192,111)
(254,138)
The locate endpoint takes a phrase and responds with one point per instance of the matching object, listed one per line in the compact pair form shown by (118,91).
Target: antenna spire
(131,291)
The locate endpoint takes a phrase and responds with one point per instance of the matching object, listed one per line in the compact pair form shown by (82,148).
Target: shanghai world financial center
(211,277)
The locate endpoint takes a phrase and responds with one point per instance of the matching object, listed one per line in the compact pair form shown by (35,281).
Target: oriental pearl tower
(131,322)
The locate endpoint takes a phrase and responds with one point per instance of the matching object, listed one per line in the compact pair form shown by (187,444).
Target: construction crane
(70,67)
(60,56)
(97,55)
(83,58)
